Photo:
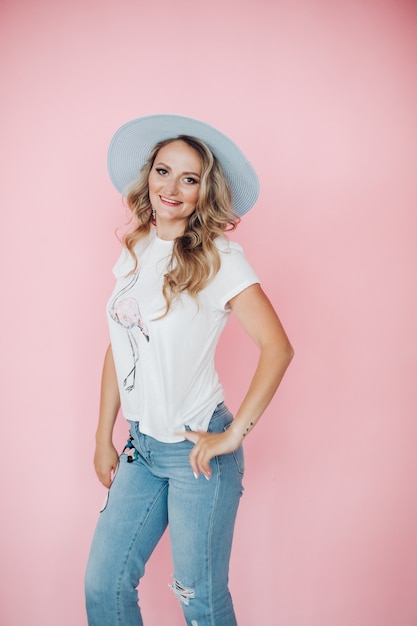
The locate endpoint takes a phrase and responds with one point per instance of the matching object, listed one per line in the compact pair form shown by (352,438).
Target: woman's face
(174,187)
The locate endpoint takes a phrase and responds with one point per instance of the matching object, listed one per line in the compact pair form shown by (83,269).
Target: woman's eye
(161,171)
(190,180)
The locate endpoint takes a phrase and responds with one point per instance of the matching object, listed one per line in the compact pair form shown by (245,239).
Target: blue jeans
(155,485)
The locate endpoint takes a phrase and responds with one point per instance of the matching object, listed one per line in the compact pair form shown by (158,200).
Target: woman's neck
(168,232)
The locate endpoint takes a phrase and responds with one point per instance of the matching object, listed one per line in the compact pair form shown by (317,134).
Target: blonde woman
(177,280)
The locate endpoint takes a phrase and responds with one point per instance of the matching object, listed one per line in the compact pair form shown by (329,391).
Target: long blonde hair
(195,258)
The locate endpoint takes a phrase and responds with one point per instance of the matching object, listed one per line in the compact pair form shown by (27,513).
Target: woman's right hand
(106,461)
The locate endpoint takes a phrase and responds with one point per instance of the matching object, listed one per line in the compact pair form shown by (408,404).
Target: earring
(153,214)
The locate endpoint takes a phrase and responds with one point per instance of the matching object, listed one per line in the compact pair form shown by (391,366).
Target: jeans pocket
(106,499)
(238,454)
(220,422)
(240,459)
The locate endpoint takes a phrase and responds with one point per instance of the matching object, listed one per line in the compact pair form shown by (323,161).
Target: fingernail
(195,475)
(207,477)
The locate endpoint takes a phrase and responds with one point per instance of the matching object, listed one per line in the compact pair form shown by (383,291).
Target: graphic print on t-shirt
(126,312)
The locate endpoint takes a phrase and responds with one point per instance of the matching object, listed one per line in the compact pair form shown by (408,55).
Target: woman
(178,279)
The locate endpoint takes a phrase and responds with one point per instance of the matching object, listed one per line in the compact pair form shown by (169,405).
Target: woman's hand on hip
(206,446)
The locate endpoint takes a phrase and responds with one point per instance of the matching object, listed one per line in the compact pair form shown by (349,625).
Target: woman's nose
(171,187)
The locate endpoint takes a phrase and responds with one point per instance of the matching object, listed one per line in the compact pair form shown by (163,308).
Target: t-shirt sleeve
(235,274)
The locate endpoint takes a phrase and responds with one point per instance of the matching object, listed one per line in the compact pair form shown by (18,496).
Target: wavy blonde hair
(195,258)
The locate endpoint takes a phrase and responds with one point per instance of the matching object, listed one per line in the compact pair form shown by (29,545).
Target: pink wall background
(322,97)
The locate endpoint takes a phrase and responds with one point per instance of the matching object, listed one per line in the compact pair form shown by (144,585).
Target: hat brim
(131,144)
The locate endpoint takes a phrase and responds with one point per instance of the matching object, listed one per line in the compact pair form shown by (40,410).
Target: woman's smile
(169,202)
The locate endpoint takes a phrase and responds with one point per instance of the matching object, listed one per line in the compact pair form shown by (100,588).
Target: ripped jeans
(155,483)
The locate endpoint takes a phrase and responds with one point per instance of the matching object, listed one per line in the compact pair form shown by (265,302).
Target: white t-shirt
(165,367)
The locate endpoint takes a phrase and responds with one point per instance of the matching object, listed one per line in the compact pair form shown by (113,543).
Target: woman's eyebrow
(165,166)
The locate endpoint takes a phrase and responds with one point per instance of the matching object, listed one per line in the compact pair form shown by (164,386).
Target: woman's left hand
(207,446)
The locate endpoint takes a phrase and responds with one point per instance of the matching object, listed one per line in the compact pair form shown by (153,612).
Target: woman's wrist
(104,437)
(239,429)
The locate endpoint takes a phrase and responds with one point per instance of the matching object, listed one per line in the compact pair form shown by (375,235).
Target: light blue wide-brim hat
(131,144)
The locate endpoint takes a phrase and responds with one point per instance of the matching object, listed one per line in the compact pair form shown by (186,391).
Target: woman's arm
(257,316)
(259,319)
(106,457)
